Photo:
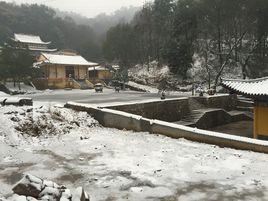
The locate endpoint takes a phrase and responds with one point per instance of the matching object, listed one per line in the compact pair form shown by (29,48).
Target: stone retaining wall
(172,110)
(227,102)
(122,120)
(167,110)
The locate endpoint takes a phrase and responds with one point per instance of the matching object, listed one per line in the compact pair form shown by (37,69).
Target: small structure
(257,89)
(98,73)
(32,43)
(63,70)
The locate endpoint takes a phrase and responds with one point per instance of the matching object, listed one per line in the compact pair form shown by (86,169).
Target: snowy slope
(143,87)
(152,76)
(23,88)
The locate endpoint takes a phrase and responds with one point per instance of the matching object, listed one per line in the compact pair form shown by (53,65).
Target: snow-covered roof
(97,68)
(42,49)
(251,87)
(116,67)
(26,38)
(66,60)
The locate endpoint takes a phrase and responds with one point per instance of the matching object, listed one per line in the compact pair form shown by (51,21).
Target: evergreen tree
(180,49)
(16,64)
(120,45)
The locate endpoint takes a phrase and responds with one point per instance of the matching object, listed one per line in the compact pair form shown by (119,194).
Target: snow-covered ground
(145,88)
(23,88)
(151,89)
(72,149)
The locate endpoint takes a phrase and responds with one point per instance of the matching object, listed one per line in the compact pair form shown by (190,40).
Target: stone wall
(225,101)
(172,110)
(122,120)
(167,110)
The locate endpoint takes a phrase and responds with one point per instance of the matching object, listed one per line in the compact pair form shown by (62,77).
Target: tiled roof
(25,38)
(251,87)
(67,59)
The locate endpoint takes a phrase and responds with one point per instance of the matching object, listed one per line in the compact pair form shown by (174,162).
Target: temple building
(100,73)
(256,89)
(32,43)
(63,70)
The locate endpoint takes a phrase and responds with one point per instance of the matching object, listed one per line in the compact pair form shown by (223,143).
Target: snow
(138,117)
(3,94)
(24,38)
(67,59)
(97,68)
(125,165)
(200,73)
(251,87)
(143,87)
(42,49)
(24,88)
(142,74)
(101,105)
(150,89)
(211,133)
(149,79)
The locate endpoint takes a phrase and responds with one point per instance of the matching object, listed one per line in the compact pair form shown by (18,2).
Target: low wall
(224,101)
(123,120)
(209,137)
(173,110)
(170,110)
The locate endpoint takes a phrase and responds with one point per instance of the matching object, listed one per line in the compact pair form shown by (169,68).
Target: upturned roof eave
(243,80)
(243,92)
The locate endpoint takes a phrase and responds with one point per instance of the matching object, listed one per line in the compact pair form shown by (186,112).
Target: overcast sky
(89,8)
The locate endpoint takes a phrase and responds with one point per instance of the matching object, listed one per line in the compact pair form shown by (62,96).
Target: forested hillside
(41,20)
(195,37)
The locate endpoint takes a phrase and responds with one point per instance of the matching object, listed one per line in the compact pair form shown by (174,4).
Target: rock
(34,179)
(31,199)
(18,198)
(15,119)
(28,186)
(31,188)
(66,194)
(2,198)
(64,199)
(47,183)
(80,195)
(57,186)
(51,192)
(48,198)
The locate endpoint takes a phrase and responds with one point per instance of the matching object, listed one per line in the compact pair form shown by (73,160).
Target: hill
(102,22)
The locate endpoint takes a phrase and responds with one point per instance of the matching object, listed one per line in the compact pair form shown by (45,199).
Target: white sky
(89,8)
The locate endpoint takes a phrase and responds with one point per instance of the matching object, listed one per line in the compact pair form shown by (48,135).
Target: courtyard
(112,164)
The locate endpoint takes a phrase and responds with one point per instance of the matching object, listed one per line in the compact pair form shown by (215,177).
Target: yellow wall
(58,71)
(56,76)
(260,121)
(103,74)
(80,72)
